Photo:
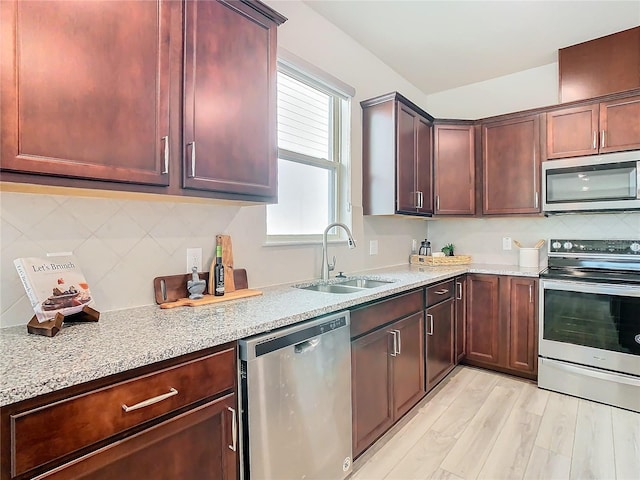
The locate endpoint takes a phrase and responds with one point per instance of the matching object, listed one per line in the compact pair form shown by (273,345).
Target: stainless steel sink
(332,288)
(365,282)
(351,285)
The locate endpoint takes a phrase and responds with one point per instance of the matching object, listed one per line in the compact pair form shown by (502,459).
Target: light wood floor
(480,424)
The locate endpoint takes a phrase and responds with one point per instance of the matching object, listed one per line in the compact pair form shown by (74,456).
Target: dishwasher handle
(307,346)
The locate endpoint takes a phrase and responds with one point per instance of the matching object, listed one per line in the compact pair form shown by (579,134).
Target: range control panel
(595,247)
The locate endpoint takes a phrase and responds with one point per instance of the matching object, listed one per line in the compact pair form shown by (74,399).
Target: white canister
(529,257)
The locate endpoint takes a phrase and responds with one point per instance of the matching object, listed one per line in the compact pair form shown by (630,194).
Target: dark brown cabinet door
(370,392)
(229,99)
(573,132)
(408,363)
(483,321)
(424,166)
(601,66)
(522,324)
(413,167)
(511,166)
(454,169)
(461,318)
(406,192)
(200,443)
(85,88)
(440,344)
(620,125)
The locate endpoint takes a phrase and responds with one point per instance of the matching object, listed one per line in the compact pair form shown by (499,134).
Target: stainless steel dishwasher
(296,401)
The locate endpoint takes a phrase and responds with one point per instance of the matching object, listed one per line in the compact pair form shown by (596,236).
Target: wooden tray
(171,291)
(439,261)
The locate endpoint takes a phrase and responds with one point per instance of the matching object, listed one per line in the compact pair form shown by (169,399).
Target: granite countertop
(32,365)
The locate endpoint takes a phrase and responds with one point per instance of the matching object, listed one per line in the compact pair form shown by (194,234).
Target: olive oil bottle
(218,272)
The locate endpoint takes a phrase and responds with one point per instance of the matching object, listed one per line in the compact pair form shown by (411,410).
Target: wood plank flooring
(482,425)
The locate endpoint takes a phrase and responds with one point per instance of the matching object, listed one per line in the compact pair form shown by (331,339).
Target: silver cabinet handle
(395,342)
(193,158)
(437,203)
(602,138)
(416,199)
(530,293)
(430,318)
(165,140)
(399,341)
(441,292)
(150,401)
(459,286)
(421,199)
(535,200)
(595,139)
(234,429)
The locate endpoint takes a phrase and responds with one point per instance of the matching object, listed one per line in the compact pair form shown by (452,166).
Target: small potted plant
(447,249)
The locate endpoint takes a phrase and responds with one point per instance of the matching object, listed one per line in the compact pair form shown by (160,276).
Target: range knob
(567,245)
(635,247)
(556,245)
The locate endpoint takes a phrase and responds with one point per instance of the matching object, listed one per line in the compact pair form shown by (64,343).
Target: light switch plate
(506,243)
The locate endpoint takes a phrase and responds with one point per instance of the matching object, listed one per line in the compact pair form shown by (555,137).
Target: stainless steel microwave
(596,183)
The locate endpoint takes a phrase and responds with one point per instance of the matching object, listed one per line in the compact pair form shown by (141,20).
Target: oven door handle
(591,287)
(590,372)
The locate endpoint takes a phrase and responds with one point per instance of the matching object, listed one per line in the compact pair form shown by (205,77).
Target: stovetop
(603,261)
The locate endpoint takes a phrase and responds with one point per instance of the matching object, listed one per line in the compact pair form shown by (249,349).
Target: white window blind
(312,149)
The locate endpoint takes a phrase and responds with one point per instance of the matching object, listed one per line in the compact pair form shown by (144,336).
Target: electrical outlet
(194,259)
(373,247)
(506,243)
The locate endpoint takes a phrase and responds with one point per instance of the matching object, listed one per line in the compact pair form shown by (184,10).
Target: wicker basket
(440,261)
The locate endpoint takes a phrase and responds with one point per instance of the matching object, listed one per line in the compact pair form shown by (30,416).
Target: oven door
(592,324)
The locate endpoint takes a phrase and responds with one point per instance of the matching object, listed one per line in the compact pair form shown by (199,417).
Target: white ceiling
(438,45)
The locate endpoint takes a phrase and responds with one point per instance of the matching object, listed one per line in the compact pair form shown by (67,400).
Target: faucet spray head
(351,242)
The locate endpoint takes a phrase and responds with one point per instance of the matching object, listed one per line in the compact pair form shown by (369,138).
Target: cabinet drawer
(439,292)
(51,431)
(373,316)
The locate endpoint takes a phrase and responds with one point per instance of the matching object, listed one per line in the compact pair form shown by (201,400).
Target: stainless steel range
(590,321)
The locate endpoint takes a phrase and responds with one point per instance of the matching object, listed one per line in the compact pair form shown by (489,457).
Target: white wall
(532,88)
(123,244)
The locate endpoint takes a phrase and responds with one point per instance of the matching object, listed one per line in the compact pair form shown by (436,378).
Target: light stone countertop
(32,365)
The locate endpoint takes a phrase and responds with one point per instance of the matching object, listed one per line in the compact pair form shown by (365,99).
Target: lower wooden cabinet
(174,419)
(440,345)
(387,365)
(502,323)
(461,318)
(439,319)
(197,444)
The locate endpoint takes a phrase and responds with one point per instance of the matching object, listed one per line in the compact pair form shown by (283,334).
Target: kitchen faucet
(326,267)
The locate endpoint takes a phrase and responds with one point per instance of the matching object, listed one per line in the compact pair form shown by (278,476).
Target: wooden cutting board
(207,299)
(174,287)
(227,262)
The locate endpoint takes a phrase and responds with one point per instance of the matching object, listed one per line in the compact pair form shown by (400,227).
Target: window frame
(339,166)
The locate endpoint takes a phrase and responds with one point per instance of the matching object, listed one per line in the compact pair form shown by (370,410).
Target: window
(313,153)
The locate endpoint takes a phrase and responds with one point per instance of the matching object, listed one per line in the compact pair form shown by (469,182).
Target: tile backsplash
(122,244)
(482,237)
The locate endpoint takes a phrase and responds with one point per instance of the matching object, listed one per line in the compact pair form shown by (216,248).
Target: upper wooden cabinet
(85,88)
(454,169)
(599,67)
(156,96)
(229,93)
(396,157)
(511,166)
(604,127)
